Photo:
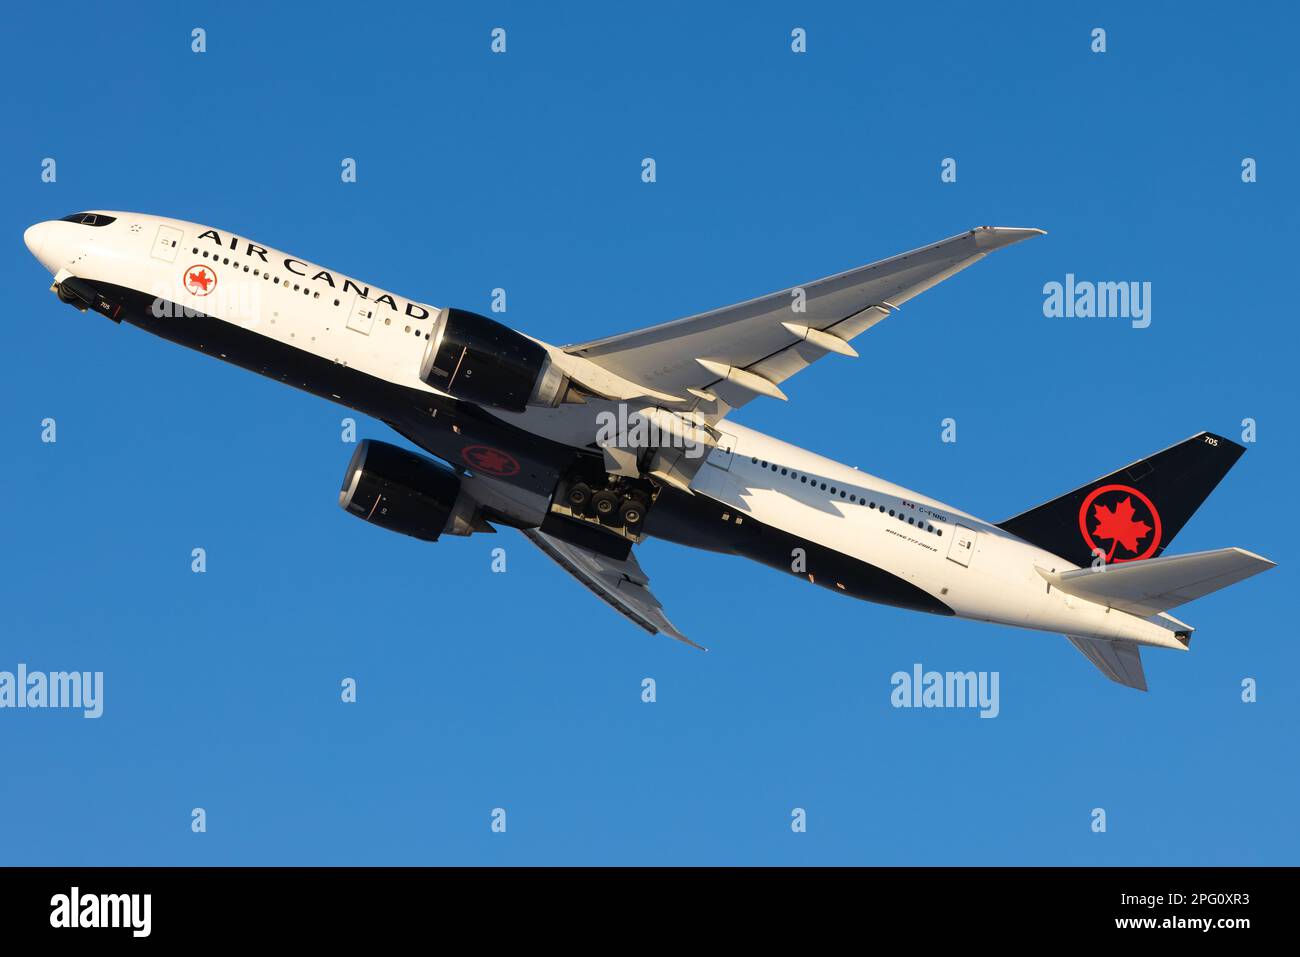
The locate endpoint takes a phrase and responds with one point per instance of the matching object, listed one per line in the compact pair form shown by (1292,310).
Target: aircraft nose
(35,238)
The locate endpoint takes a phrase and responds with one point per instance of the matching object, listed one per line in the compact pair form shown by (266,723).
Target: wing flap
(859,322)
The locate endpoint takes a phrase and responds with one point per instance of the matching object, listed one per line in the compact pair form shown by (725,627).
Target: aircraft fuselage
(356,344)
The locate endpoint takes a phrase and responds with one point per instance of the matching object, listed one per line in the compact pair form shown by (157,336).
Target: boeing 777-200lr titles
(589,448)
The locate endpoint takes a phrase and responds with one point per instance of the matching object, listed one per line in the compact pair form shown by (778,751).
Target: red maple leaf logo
(1117,524)
(490,460)
(200,278)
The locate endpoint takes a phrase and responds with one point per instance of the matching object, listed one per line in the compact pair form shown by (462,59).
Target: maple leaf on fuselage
(1118,525)
(200,279)
(491,461)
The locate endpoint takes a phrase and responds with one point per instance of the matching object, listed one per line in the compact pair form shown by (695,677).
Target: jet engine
(479,360)
(408,493)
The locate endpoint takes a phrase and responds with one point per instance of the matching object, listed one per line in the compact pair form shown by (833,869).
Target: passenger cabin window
(89,219)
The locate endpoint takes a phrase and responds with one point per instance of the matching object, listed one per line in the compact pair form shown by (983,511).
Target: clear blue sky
(520,690)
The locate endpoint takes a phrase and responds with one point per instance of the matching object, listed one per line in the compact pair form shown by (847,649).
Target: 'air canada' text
(303,270)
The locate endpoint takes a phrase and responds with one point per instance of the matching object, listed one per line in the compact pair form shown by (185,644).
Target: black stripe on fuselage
(701,522)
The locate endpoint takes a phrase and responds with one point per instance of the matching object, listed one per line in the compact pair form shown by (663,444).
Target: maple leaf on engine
(1118,525)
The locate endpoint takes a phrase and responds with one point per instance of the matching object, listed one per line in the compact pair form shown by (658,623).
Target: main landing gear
(621,503)
(599,511)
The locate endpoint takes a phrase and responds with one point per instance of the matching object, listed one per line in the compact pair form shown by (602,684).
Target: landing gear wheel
(632,512)
(579,496)
(70,297)
(606,505)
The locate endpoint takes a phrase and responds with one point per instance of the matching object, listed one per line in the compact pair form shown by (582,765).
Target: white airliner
(589,448)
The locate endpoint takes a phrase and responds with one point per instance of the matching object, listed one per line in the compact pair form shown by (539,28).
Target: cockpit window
(89,219)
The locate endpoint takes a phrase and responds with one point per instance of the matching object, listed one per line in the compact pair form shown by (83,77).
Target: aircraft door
(362,316)
(167,244)
(720,455)
(962,547)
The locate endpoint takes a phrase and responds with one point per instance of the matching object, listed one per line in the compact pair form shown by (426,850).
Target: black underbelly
(447,428)
(442,426)
(701,522)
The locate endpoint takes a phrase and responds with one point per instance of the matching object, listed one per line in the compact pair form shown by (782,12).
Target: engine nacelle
(407,493)
(479,360)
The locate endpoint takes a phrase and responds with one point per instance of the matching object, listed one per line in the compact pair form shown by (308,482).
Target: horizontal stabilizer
(1154,585)
(1118,660)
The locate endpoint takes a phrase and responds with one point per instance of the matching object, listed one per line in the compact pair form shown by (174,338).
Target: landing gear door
(167,244)
(720,455)
(362,316)
(962,547)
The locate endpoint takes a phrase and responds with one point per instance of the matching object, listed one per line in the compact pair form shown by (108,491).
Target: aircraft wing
(721,359)
(620,584)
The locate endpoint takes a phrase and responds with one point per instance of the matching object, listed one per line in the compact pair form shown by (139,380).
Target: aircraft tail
(1147,588)
(1134,513)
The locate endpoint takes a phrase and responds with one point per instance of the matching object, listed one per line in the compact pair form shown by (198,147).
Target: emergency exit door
(362,316)
(167,244)
(962,548)
(720,454)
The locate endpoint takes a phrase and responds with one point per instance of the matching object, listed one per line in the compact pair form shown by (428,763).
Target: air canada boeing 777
(589,448)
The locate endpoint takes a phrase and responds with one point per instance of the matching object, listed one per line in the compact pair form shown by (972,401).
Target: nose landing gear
(82,295)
